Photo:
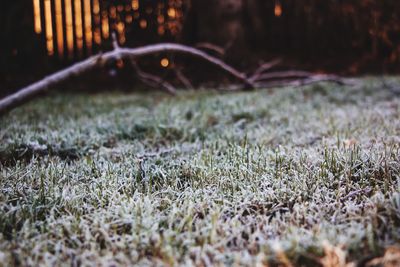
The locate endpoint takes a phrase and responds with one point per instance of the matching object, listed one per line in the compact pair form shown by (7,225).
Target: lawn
(288,176)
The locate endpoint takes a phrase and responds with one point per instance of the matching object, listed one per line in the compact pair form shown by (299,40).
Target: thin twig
(263,68)
(283,75)
(183,79)
(297,82)
(212,47)
(114,41)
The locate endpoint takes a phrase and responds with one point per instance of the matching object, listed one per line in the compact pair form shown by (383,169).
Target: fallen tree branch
(279,81)
(259,79)
(283,75)
(302,82)
(321,78)
(41,86)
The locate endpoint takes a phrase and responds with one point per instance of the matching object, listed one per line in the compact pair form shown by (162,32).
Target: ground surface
(302,176)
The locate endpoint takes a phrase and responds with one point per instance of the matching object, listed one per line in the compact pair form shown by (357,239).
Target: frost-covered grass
(300,176)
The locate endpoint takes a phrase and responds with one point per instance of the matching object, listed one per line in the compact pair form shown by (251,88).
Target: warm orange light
(121,32)
(120,26)
(164,62)
(135,4)
(278,9)
(104,25)
(69,28)
(128,18)
(143,23)
(113,12)
(96,7)
(160,19)
(97,36)
(78,25)
(97,22)
(88,25)
(120,63)
(49,27)
(171,12)
(36,15)
(59,28)
(161,30)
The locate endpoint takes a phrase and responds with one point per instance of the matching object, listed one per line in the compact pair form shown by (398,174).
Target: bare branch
(303,81)
(183,79)
(34,89)
(114,41)
(212,47)
(264,67)
(322,78)
(283,75)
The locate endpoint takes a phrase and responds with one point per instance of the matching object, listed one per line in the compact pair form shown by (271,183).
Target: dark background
(350,37)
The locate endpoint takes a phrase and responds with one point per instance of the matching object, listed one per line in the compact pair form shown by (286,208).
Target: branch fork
(260,78)
(118,53)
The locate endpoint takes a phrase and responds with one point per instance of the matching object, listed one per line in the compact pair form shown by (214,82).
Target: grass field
(286,177)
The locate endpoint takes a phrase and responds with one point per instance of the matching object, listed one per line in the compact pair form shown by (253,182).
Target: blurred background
(347,37)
